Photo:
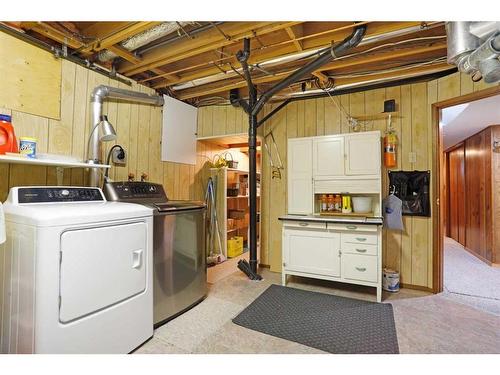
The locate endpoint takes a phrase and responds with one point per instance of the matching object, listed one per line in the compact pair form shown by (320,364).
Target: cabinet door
(362,154)
(314,252)
(300,194)
(328,157)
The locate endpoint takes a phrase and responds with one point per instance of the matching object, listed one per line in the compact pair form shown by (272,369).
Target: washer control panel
(58,194)
(133,190)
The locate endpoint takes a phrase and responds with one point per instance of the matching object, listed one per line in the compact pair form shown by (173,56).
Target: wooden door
(300,187)
(362,154)
(328,157)
(478,236)
(312,252)
(456,194)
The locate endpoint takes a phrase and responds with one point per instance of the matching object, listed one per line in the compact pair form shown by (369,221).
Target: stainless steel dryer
(179,258)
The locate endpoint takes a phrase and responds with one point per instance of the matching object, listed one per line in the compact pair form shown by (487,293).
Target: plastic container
(234,247)
(362,205)
(27,146)
(390,280)
(8,141)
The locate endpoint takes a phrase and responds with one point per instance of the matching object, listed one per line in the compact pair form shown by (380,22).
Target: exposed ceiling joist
(119,36)
(210,40)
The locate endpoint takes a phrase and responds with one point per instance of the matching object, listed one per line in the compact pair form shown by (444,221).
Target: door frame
(438,188)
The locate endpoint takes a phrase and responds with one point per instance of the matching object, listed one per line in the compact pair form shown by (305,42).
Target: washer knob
(64,193)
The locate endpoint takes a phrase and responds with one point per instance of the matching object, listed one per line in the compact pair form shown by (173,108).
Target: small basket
(230,163)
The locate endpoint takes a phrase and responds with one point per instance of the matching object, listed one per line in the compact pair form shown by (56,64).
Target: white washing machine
(76,272)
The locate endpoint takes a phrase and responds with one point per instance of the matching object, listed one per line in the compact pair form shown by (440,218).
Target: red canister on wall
(8,141)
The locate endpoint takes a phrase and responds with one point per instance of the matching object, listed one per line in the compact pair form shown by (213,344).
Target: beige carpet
(469,280)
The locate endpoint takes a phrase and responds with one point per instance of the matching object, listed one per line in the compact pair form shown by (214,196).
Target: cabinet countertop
(325,219)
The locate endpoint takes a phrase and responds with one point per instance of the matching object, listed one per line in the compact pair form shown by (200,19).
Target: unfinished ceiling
(196,61)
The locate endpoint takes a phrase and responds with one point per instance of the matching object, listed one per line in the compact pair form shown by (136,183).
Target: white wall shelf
(59,164)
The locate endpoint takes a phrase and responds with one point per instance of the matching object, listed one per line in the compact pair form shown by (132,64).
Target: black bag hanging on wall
(412,187)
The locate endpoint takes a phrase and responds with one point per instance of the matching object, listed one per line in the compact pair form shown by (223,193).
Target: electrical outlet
(119,156)
(412,156)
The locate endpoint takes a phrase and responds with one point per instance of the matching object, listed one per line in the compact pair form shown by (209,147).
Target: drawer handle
(361,239)
(361,269)
(303,224)
(361,250)
(351,227)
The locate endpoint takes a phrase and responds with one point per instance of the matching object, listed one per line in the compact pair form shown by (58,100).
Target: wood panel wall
(410,251)
(482,180)
(138,128)
(456,194)
(29,74)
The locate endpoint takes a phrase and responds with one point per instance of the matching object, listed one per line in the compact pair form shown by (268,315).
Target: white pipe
(97,98)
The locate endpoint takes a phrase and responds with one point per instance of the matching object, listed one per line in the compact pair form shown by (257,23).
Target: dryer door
(101,267)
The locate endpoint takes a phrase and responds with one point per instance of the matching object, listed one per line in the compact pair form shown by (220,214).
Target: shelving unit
(226,204)
(59,164)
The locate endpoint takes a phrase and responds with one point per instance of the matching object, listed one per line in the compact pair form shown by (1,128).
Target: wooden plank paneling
(456,194)
(31,78)
(138,131)
(421,239)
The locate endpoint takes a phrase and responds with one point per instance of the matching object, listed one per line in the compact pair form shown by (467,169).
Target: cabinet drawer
(362,249)
(305,224)
(359,267)
(360,238)
(352,227)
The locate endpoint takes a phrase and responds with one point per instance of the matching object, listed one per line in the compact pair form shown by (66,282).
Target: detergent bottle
(8,141)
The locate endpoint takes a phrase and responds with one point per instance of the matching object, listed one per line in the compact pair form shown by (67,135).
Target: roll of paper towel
(2,225)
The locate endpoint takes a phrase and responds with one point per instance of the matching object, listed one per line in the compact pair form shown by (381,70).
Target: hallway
(470,281)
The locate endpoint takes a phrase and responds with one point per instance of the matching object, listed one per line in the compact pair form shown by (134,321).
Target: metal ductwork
(143,38)
(474,47)
(97,98)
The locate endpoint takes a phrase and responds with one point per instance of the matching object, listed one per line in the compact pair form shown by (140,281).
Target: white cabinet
(337,252)
(362,154)
(300,184)
(328,157)
(312,251)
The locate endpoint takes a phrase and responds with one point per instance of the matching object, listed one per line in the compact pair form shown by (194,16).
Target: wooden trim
(454,147)
(438,188)
(416,287)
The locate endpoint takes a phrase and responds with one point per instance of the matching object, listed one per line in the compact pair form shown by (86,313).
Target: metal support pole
(255,106)
(252,154)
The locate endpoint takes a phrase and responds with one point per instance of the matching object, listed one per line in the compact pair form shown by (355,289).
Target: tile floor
(425,323)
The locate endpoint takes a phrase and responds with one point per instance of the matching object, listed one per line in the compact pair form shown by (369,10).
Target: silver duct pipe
(143,38)
(483,29)
(97,98)
(473,54)
(300,55)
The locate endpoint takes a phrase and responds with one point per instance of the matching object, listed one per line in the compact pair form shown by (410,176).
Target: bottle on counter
(338,203)
(324,203)
(331,203)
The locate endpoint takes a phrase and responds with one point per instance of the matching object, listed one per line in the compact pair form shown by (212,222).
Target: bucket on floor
(390,280)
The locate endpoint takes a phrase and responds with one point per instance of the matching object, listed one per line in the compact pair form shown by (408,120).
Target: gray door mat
(322,321)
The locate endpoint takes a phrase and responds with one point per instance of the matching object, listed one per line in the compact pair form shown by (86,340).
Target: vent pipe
(473,54)
(97,98)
